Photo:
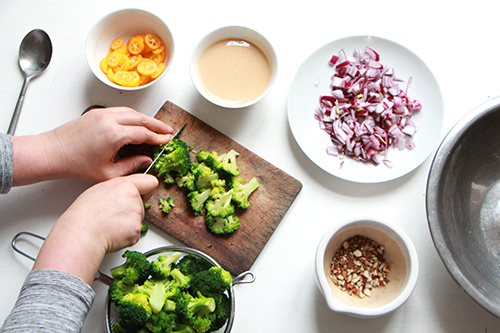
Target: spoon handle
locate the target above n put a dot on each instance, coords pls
(19, 105)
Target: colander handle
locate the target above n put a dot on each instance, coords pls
(99, 276)
(240, 279)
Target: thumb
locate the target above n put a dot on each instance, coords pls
(145, 184)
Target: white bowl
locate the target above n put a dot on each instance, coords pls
(125, 23)
(236, 32)
(400, 255)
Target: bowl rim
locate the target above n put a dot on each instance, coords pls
(439, 161)
(412, 267)
(115, 13)
(240, 30)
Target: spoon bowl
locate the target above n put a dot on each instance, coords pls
(35, 53)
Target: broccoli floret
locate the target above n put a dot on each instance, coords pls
(162, 322)
(156, 293)
(204, 175)
(241, 191)
(168, 179)
(135, 270)
(222, 311)
(227, 163)
(213, 281)
(190, 265)
(220, 203)
(222, 225)
(197, 312)
(197, 199)
(202, 155)
(175, 161)
(118, 289)
(166, 205)
(162, 266)
(135, 310)
(144, 229)
(187, 181)
(181, 280)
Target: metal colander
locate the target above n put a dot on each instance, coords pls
(112, 311)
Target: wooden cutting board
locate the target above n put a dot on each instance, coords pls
(268, 204)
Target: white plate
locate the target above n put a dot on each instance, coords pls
(313, 80)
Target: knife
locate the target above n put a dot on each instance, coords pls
(164, 148)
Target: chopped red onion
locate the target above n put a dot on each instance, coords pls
(367, 113)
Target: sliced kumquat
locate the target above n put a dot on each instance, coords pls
(135, 45)
(159, 70)
(145, 79)
(103, 65)
(126, 78)
(134, 60)
(135, 63)
(160, 49)
(152, 41)
(124, 65)
(114, 58)
(111, 75)
(123, 49)
(158, 58)
(116, 44)
(146, 66)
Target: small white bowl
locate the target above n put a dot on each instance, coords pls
(236, 32)
(400, 255)
(125, 23)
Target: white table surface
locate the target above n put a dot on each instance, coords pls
(459, 44)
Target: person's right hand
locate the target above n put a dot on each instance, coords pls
(105, 218)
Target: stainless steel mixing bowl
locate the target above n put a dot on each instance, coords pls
(463, 204)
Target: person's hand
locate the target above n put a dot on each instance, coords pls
(105, 218)
(85, 148)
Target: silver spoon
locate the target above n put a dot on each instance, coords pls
(34, 57)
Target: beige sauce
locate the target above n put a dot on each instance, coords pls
(394, 258)
(234, 71)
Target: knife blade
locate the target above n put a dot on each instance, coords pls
(164, 148)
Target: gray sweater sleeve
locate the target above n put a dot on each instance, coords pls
(6, 163)
(50, 301)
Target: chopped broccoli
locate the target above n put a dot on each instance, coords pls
(181, 280)
(166, 205)
(227, 163)
(168, 179)
(242, 191)
(162, 322)
(197, 199)
(118, 289)
(187, 181)
(222, 225)
(215, 280)
(190, 265)
(135, 270)
(222, 311)
(144, 229)
(162, 266)
(135, 310)
(197, 312)
(204, 175)
(220, 203)
(175, 161)
(168, 302)
(156, 293)
(202, 155)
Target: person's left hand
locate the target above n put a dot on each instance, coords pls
(85, 148)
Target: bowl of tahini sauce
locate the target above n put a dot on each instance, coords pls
(233, 67)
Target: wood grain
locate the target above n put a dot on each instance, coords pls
(268, 204)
